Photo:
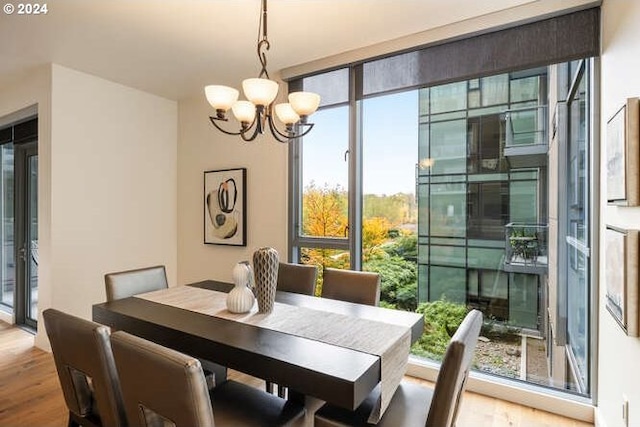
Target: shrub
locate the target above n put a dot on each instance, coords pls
(404, 246)
(399, 281)
(441, 320)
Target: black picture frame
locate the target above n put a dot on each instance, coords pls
(225, 207)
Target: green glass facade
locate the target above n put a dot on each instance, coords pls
(470, 189)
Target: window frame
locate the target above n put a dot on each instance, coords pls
(353, 240)
(587, 69)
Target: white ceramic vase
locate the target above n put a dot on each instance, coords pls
(240, 298)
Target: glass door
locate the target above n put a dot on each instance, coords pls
(7, 213)
(26, 168)
(19, 217)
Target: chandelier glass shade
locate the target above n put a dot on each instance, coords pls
(256, 114)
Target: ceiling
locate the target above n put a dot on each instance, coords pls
(173, 48)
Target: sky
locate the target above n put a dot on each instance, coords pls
(390, 140)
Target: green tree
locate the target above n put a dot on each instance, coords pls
(404, 246)
(399, 209)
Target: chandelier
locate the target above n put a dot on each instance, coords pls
(257, 113)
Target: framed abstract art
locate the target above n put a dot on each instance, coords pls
(225, 201)
(623, 155)
(621, 277)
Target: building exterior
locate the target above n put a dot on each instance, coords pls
(483, 195)
(505, 206)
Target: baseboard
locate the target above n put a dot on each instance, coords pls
(535, 397)
(42, 341)
(7, 317)
(599, 421)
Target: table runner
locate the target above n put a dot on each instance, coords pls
(390, 342)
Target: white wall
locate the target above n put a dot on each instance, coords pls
(113, 186)
(107, 176)
(618, 354)
(201, 147)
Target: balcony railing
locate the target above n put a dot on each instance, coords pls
(526, 248)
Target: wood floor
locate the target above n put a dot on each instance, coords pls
(30, 394)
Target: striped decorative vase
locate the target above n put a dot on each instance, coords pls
(265, 267)
(240, 298)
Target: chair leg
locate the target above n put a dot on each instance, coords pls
(282, 392)
(220, 373)
(268, 386)
(214, 374)
(272, 388)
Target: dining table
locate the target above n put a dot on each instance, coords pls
(307, 363)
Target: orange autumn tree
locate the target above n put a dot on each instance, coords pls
(375, 232)
(324, 213)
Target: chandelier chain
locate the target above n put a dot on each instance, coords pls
(263, 41)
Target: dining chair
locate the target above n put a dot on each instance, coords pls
(179, 397)
(124, 284)
(86, 370)
(297, 278)
(361, 287)
(413, 405)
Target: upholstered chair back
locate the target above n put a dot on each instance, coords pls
(297, 278)
(160, 386)
(454, 371)
(123, 284)
(353, 286)
(86, 369)
(413, 405)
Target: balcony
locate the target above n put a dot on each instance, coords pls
(526, 248)
(526, 136)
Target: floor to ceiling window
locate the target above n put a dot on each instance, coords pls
(389, 204)
(578, 239)
(444, 189)
(321, 218)
(325, 180)
(454, 184)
